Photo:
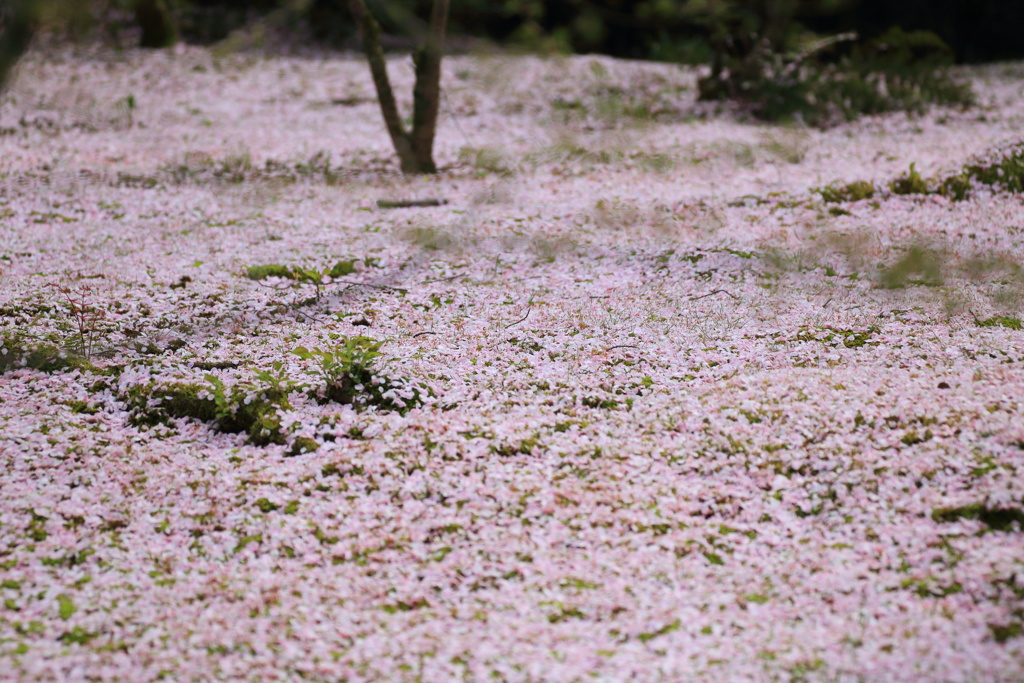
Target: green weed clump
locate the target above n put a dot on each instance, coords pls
(315, 277)
(16, 351)
(912, 183)
(312, 276)
(851, 192)
(234, 410)
(996, 518)
(351, 376)
(1002, 171)
(1006, 321)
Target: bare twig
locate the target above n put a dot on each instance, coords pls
(529, 307)
(712, 293)
(420, 334)
(622, 346)
(281, 286)
(307, 316)
(445, 279)
(370, 284)
(409, 203)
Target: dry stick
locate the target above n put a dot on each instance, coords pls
(529, 307)
(712, 293)
(370, 284)
(420, 334)
(622, 346)
(291, 283)
(408, 203)
(313, 318)
(445, 279)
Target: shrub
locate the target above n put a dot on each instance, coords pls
(826, 83)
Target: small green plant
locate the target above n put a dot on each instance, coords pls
(1002, 170)
(251, 408)
(87, 321)
(851, 192)
(317, 277)
(1005, 171)
(912, 183)
(351, 376)
(276, 381)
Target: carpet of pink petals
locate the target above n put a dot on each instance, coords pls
(649, 453)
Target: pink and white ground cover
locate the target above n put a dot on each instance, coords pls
(677, 431)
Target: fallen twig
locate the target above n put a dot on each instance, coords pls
(445, 279)
(409, 203)
(712, 293)
(529, 307)
(420, 334)
(370, 284)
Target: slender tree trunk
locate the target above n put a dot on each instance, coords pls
(158, 23)
(415, 148)
(19, 27)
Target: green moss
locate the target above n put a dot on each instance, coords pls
(265, 506)
(302, 445)
(852, 339)
(956, 187)
(16, 352)
(1002, 321)
(851, 192)
(912, 183)
(306, 275)
(1005, 173)
(1001, 633)
(269, 270)
(76, 636)
(997, 519)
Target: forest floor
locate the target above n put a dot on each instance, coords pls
(636, 403)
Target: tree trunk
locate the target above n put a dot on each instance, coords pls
(415, 148)
(19, 27)
(158, 24)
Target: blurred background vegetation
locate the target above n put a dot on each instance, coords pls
(820, 61)
(670, 30)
